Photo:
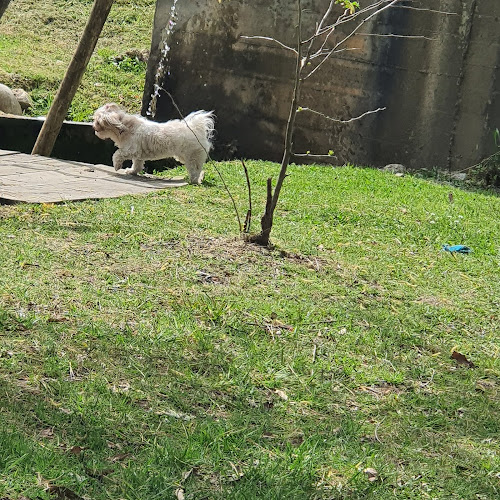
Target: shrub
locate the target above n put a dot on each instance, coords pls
(487, 172)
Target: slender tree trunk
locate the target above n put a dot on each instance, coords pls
(3, 5)
(266, 222)
(67, 90)
(305, 53)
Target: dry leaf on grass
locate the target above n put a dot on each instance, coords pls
(268, 405)
(380, 390)
(47, 433)
(175, 414)
(42, 482)
(275, 326)
(76, 450)
(237, 474)
(281, 394)
(462, 360)
(119, 458)
(205, 277)
(63, 493)
(485, 385)
(58, 492)
(372, 474)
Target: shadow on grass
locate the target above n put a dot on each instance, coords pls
(174, 418)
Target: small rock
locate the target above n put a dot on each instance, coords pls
(8, 101)
(458, 176)
(23, 98)
(395, 168)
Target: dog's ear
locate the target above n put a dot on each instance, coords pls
(111, 106)
(112, 121)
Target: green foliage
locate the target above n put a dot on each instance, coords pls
(487, 172)
(350, 6)
(38, 39)
(128, 64)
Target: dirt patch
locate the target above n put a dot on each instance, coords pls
(236, 249)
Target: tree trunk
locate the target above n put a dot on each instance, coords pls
(67, 90)
(266, 222)
(3, 5)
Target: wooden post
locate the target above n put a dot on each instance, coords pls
(67, 90)
(3, 5)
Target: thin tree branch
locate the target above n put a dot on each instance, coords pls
(394, 35)
(337, 120)
(248, 218)
(426, 10)
(309, 155)
(293, 112)
(270, 39)
(338, 51)
(337, 45)
(478, 164)
(208, 156)
(320, 27)
(327, 158)
(345, 17)
(269, 197)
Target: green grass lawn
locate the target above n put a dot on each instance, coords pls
(38, 39)
(146, 352)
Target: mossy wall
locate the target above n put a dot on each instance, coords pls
(440, 89)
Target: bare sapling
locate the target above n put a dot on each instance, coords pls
(311, 52)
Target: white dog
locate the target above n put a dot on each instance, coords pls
(188, 140)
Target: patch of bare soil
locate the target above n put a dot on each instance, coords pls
(237, 249)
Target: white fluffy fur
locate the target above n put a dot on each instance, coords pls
(139, 139)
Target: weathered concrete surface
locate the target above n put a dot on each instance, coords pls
(37, 179)
(441, 92)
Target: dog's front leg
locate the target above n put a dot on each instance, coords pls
(118, 159)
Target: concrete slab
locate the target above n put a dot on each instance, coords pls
(37, 179)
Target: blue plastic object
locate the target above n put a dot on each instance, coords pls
(457, 248)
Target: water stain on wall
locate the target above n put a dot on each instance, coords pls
(440, 86)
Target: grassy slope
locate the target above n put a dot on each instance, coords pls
(145, 348)
(141, 342)
(38, 39)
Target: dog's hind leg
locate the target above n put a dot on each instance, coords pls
(195, 173)
(194, 167)
(136, 168)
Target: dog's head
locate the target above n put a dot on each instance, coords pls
(109, 122)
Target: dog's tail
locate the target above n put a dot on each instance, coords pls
(202, 123)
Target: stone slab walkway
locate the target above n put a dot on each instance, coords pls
(37, 179)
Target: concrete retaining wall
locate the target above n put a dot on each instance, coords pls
(441, 92)
(76, 141)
